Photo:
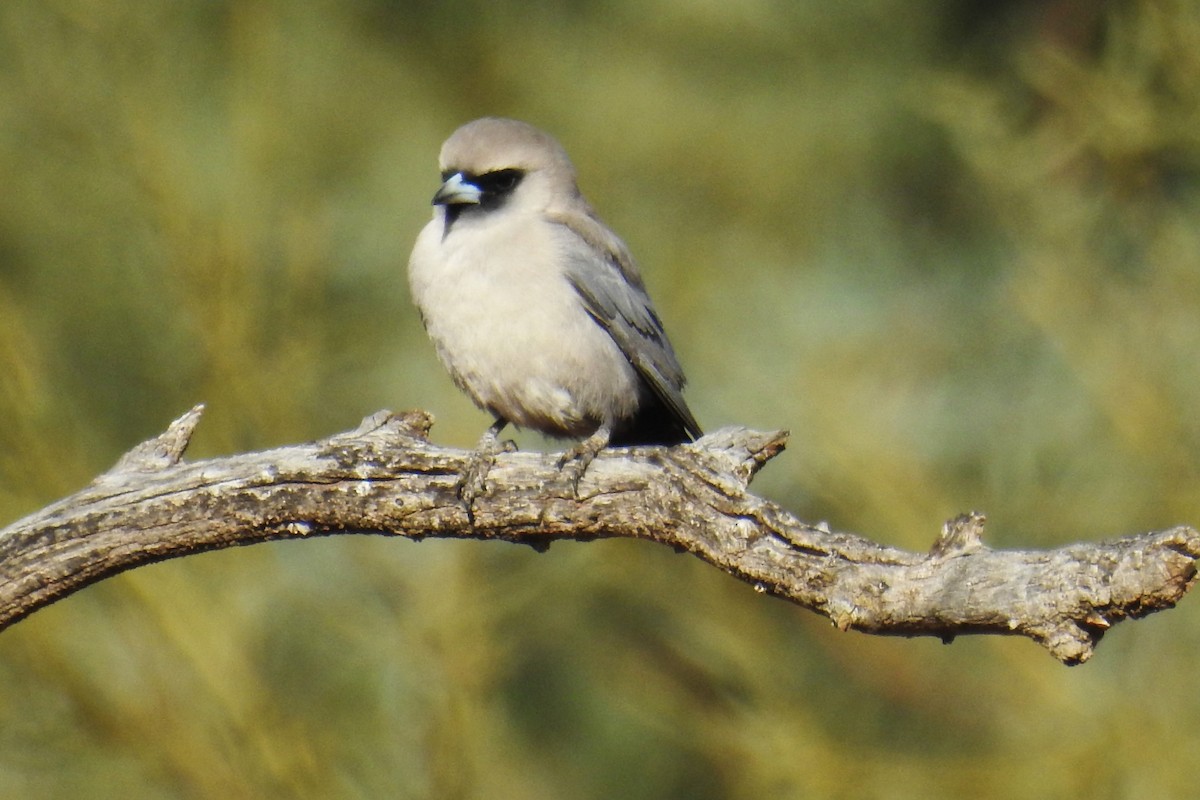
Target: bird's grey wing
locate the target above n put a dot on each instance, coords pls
(602, 271)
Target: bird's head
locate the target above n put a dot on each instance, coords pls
(494, 163)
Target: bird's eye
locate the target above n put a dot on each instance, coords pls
(500, 182)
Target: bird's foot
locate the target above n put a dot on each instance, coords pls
(574, 463)
(473, 478)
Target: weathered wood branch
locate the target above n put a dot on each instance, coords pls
(386, 478)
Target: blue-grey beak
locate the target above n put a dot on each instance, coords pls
(457, 191)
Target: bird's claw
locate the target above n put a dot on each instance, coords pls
(574, 462)
(473, 479)
(572, 466)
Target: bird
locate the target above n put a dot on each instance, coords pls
(536, 307)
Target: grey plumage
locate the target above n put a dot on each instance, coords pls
(535, 307)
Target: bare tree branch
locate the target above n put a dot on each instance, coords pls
(386, 478)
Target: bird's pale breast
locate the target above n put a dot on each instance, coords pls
(511, 329)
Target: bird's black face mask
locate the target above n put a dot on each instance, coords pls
(463, 192)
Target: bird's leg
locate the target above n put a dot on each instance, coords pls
(575, 461)
(479, 463)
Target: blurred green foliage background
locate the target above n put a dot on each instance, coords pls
(953, 246)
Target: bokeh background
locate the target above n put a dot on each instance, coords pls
(953, 246)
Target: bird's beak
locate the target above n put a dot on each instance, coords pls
(456, 191)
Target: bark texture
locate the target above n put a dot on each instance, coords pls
(387, 478)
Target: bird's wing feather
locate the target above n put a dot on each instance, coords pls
(604, 274)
